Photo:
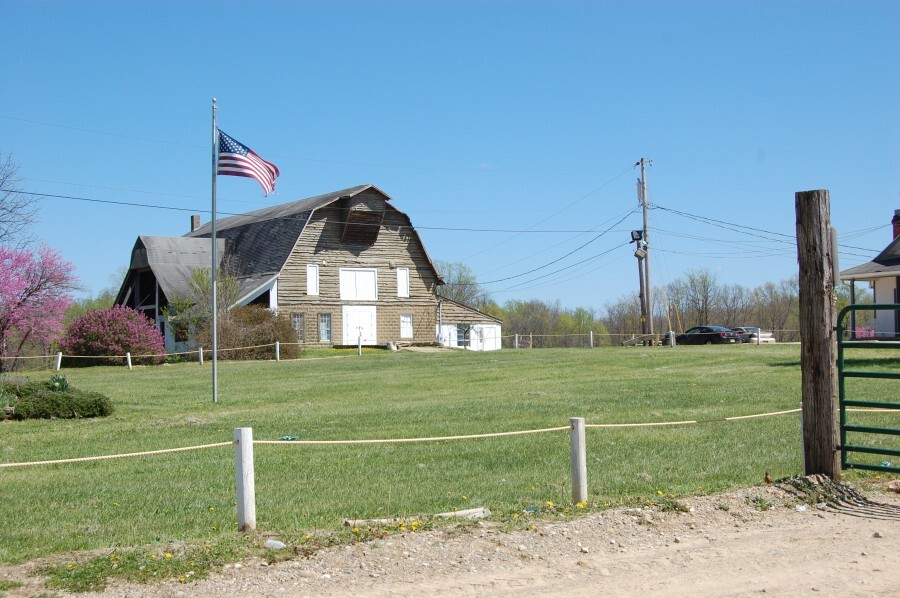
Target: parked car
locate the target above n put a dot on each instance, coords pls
(708, 335)
(752, 334)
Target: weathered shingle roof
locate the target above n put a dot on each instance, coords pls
(260, 242)
(173, 260)
(886, 263)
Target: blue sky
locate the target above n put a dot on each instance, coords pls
(479, 118)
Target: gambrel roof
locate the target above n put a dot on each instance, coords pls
(259, 243)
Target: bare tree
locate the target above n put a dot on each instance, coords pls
(460, 285)
(17, 210)
(735, 305)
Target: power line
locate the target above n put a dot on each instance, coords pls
(207, 211)
(740, 228)
(561, 210)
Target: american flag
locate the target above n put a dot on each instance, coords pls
(236, 159)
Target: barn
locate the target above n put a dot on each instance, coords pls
(347, 266)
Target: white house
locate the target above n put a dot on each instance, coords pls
(883, 276)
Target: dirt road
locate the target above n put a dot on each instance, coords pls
(751, 542)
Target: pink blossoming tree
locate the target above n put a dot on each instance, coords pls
(114, 332)
(35, 291)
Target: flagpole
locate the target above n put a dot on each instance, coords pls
(215, 168)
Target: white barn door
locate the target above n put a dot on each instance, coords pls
(360, 320)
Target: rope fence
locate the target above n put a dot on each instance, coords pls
(394, 440)
(244, 461)
(513, 341)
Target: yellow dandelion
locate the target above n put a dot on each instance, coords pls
(549, 503)
(515, 516)
(153, 556)
(70, 567)
(659, 492)
(168, 555)
(581, 505)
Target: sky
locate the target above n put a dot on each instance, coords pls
(507, 131)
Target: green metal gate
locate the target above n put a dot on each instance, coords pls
(890, 403)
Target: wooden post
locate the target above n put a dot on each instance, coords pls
(58, 360)
(818, 318)
(277, 351)
(200, 353)
(578, 459)
(128, 359)
(591, 339)
(516, 341)
(246, 486)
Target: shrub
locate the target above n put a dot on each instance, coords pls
(251, 326)
(43, 400)
(114, 332)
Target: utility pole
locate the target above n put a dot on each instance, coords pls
(643, 199)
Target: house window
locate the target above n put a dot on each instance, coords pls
(359, 284)
(406, 326)
(299, 324)
(403, 282)
(325, 327)
(462, 335)
(312, 279)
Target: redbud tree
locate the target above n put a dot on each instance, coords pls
(114, 332)
(35, 291)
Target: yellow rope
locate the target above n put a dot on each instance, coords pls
(399, 440)
(105, 457)
(407, 440)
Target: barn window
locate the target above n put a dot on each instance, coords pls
(406, 326)
(359, 284)
(325, 327)
(299, 324)
(312, 279)
(403, 282)
(462, 335)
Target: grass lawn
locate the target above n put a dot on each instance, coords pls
(190, 496)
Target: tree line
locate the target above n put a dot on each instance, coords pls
(697, 298)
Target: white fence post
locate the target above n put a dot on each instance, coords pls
(58, 360)
(128, 359)
(578, 457)
(200, 353)
(277, 351)
(516, 341)
(591, 339)
(246, 486)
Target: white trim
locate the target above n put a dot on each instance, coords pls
(354, 287)
(312, 279)
(403, 282)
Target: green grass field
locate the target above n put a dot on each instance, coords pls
(190, 496)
